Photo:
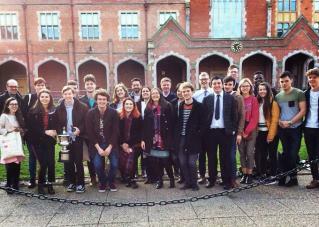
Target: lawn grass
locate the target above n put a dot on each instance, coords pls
(59, 166)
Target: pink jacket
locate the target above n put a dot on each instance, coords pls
(251, 114)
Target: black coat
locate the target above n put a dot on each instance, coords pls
(194, 128)
(78, 116)
(167, 127)
(135, 132)
(110, 125)
(229, 112)
(36, 130)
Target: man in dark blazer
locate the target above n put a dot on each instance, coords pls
(70, 117)
(220, 109)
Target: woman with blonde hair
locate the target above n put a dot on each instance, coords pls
(119, 94)
(246, 144)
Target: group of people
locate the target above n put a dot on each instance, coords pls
(171, 132)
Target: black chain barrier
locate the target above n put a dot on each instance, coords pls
(163, 202)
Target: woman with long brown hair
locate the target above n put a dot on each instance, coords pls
(41, 123)
(158, 135)
(266, 145)
(130, 140)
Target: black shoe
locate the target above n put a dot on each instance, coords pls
(41, 189)
(202, 180)
(159, 185)
(210, 184)
(172, 183)
(50, 189)
(281, 181)
(249, 179)
(243, 179)
(32, 184)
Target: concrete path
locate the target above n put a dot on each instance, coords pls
(262, 206)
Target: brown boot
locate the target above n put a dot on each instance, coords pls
(313, 184)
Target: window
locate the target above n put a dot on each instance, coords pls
(129, 25)
(287, 5)
(282, 28)
(164, 16)
(8, 26)
(316, 27)
(49, 25)
(316, 5)
(90, 28)
(227, 18)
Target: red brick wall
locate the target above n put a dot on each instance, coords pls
(200, 19)
(306, 9)
(256, 19)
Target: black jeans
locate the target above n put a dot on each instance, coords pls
(312, 144)
(219, 139)
(291, 140)
(188, 164)
(76, 162)
(13, 175)
(266, 154)
(45, 155)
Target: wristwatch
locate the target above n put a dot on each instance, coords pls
(290, 123)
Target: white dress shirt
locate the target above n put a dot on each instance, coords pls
(220, 122)
(199, 95)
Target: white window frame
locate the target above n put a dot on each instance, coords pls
(166, 11)
(18, 27)
(314, 28)
(138, 24)
(99, 24)
(39, 26)
(315, 2)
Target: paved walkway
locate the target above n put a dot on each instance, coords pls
(262, 206)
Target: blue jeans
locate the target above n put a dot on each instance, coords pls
(99, 164)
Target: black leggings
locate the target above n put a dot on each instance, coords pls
(13, 175)
(45, 154)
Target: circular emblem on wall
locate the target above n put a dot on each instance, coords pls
(236, 46)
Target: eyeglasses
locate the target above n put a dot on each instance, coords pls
(13, 104)
(12, 86)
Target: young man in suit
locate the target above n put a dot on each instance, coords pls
(221, 120)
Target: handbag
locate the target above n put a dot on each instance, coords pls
(11, 145)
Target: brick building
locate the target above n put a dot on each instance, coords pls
(120, 39)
